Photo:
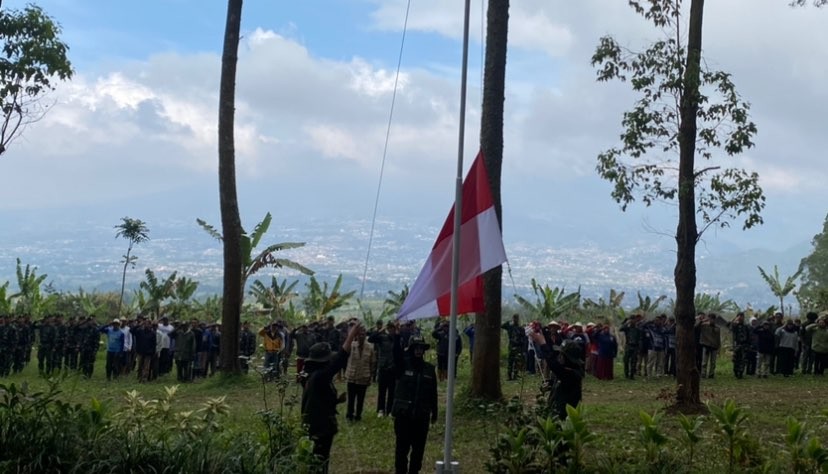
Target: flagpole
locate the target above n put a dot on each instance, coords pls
(447, 465)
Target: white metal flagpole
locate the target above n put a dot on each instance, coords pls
(448, 466)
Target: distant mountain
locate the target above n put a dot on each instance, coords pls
(85, 253)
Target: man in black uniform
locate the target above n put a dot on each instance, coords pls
(319, 396)
(566, 363)
(415, 403)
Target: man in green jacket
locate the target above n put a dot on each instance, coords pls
(185, 350)
(819, 343)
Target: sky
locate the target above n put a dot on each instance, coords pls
(134, 132)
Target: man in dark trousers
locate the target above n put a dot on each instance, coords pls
(319, 397)
(565, 362)
(518, 345)
(415, 403)
(383, 341)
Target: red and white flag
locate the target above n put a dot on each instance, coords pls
(481, 249)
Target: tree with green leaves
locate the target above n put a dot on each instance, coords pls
(779, 288)
(319, 301)
(135, 231)
(813, 288)
(685, 110)
(33, 59)
(550, 303)
(250, 263)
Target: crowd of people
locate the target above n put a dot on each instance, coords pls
(390, 355)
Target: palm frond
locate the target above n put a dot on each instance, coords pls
(260, 230)
(210, 230)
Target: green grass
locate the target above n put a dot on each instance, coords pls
(368, 446)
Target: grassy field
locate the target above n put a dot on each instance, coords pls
(368, 446)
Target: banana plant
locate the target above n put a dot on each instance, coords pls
(274, 297)
(394, 301)
(253, 263)
(92, 304)
(5, 301)
(158, 290)
(29, 299)
(550, 303)
(182, 293)
(609, 308)
(779, 289)
(648, 305)
(209, 309)
(319, 302)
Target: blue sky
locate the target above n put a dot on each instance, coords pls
(134, 132)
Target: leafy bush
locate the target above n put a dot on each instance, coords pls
(40, 433)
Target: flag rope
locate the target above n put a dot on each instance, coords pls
(384, 153)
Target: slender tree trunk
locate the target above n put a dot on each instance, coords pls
(486, 368)
(687, 374)
(123, 277)
(230, 220)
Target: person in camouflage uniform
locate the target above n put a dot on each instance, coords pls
(72, 345)
(45, 342)
(631, 327)
(19, 356)
(58, 346)
(8, 343)
(89, 340)
(518, 345)
(741, 344)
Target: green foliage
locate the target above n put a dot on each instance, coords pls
(690, 434)
(648, 306)
(41, 433)
(5, 300)
(608, 309)
(645, 164)
(651, 436)
(253, 263)
(577, 437)
(707, 303)
(813, 288)
(550, 303)
(33, 58)
(731, 420)
(157, 291)
(780, 289)
(274, 297)
(29, 299)
(395, 300)
(319, 302)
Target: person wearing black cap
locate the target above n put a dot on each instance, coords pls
(319, 397)
(566, 363)
(415, 403)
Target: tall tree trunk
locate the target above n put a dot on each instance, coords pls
(687, 374)
(486, 368)
(123, 277)
(230, 220)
